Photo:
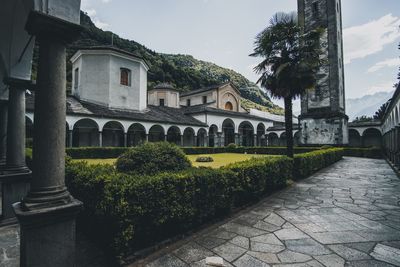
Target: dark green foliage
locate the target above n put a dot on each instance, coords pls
(204, 159)
(151, 158)
(380, 113)
(373, 153)
(95, 152)
(363, 119)
(308, 163)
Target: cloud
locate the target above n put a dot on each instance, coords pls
(381, 87)
(91, 12)
(370, 38)
(391, 62)
(100, 24)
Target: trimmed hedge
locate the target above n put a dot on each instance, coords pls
(115, 152)
(308, 163)
(127, 212)
(373, 152)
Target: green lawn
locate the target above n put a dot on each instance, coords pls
(219, 159)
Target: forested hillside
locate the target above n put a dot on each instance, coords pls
(183, 71)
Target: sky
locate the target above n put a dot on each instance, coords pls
(223, 32)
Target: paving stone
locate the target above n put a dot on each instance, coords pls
(331, 260)
(275, 219)
(265, 257)
(349, 254)
(266, 226)
(288, 256)
(210, 241)
(267, 239)
(338, 237)
(229, 251)
(221, 233)
(368, 263)
(242, 230)
(241, 241)
(203, 263)
(291, 233)
(192, 252)
(167, 261)
(249, 261)
(394, 244)
(307, 246)
(387, 254)
(364, 247)
(268, 248)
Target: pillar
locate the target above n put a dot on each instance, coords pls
(206, 141)
(255, 140)
(100, 139)
(181, 139)
(125, 139)
(147, 138)
(70, 137)
(165, 138)
(15, 158)
(47, 214)
(237, 139)
(3, 132)
(221, 140)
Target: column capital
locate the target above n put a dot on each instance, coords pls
(49, 27)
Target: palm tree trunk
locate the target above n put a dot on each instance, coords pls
(289, 126)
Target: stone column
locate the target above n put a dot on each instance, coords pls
(182, 140)
(206, 141)
(70, 138)
(237, 139)
(255, 140)
(15, 161)
(47, 214)
(125, 139)
(147, 138)
(3, 132)
(100, 139)
(165, 137)
(221, 138)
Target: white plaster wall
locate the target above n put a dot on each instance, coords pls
(170, 98)
(197, 99)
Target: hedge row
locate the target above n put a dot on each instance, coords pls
(308, 163)
(127, 212)
(374, 153)
(114, 152)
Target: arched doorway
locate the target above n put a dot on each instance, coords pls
(113, 134)
(85, 133)
(273, 139)
(212, 135)
(136, 135)
(283, 140)
(156, 134)
(354, 138)
(246, 134)
(202, 138)
(188, 137)
(228, 106)
(228, 132)
(261, 141)
(372, 138)
(174, 135)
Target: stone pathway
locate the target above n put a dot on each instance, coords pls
(345, 215)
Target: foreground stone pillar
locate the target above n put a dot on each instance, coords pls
(47, 214)
(3, 132)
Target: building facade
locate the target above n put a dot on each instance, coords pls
(323, 119)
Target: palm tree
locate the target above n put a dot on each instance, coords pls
(290, 62)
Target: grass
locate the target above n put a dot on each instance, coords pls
(219, 159)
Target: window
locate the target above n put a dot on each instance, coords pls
(205, 99)
(228, 106)
(188, 102)
(162, 102)
(76, 75)
(125, 77)
(315, 10)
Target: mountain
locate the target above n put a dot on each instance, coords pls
(366, 105)
(183, 71)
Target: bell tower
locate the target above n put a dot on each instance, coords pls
(323, 119)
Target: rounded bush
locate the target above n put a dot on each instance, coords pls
(152, 158)
(204, 159)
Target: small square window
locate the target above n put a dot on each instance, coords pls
(205, 99)
(162, 102)
(125, 77)
(188, 102)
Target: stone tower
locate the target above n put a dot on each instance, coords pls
(323, 120)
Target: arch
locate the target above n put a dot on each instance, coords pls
(283, 139)
(232, 100)
(246, 134)
(354, 138)
(228, 132)
(188, 137)
(86, 133)
(228, 106)
(296, 138)
(113, 134)
(261, 141)
(136, 135)
(156, 133)
(273, 139)
(212, 135)
(174, 135)
(202, 137)
(372, 138)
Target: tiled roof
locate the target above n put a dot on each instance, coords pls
(151, 114)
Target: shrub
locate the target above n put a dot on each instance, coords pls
(374, 152)
(204, 159)
(151, 158)
(95, 152)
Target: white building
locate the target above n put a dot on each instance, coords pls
(111, 105)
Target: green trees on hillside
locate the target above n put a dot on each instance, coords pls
(290, 60)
